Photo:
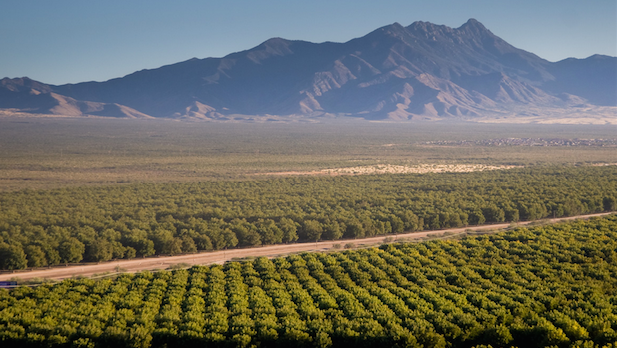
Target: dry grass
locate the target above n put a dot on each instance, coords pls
(41, 153)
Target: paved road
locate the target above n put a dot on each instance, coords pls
(221, 256)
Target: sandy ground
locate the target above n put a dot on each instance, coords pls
(394, 169)
(219, 257)
(588, 114)
(604, 164)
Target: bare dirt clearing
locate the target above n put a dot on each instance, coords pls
(222, 256)
(398, 169)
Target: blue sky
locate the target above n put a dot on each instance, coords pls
(67, 41)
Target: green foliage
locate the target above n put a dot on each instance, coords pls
(12, 257)
(312, 230)
(71, 250)
(550, 286)
(35, 255)
(103, 223)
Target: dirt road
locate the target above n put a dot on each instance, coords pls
(221, 256)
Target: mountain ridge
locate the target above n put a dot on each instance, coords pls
(422, 71)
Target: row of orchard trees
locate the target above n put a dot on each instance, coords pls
(550, 286)
(39, 228)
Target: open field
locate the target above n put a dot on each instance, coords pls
(46, 153)
(222, 256)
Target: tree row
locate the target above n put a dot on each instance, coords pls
(41, 228)
(546, 286)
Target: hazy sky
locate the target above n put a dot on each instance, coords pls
(62, 41)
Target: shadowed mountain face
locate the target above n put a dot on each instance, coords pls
(395, 72)
(594, 79)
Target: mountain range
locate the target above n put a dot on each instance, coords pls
(422, 71)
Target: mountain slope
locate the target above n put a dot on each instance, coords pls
(26, 95)
(593, 78)
(423, 70)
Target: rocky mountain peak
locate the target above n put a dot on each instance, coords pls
(394, 30)
(420, 27)
(473, 23)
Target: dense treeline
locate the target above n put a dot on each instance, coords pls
(40, 228)
(547, 286)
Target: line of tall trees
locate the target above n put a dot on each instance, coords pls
(70, 225)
